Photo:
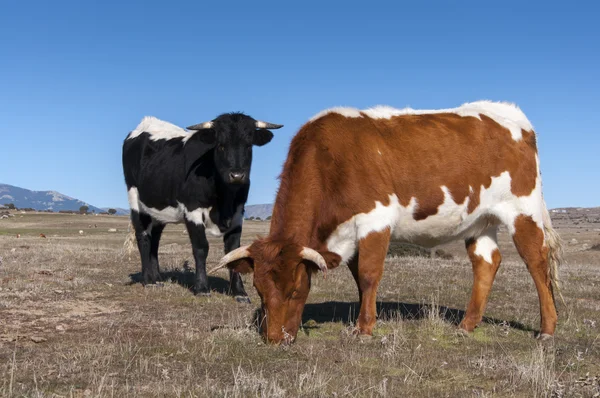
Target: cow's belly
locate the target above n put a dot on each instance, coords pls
(451, 222)
(167, 215)
(178, 214)
(201, 216)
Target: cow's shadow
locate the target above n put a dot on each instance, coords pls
(185, 278)
(347, 313)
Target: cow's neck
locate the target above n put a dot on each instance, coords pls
(297, 205)
(229, 197)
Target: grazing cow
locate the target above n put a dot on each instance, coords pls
(355, 179)
(200, 178)
(42, 236)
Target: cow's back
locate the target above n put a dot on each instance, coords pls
(430, 177)
(414, 156)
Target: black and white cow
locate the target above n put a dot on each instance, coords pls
(200, 178)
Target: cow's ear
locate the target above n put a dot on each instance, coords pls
(208, 136)
(197, 145)
(243, 265)
(332, 259)
(261, 137)
(325, 258)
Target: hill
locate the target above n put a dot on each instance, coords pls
(263, 211)
(41, 200)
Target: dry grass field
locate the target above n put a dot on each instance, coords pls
(74, 321)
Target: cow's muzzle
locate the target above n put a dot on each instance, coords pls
(237, 177)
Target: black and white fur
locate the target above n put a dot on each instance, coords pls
(200, 178)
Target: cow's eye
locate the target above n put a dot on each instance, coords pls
(294, 294)
(221, 148)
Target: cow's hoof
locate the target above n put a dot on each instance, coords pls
(242, 299)
(202, 291)
(364, 338)
(544, 337)
(462, 332)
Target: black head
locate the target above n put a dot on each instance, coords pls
(232, 136)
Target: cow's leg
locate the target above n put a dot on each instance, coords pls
(371, 255)
(200, 250)
(353, 266)
(485, 257)
(529, 241)
(142, 223)
(231, 241)
(155, 235)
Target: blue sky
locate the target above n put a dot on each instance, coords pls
(76, 76)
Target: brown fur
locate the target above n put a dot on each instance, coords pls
(529, 241)
(419, 154)
(338, 167)
(371, 257)
(483, 278)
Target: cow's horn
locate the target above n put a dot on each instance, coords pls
(240, 252)
(266, 125)
(314, 256)
(201, 126)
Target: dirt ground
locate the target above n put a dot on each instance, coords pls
(75, 321)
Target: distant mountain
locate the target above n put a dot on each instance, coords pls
(41, 200)
(262, 211)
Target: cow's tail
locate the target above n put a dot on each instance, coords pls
(130, 241)
(555, 251)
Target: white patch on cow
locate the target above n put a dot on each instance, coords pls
(158, 129)
(133, 197)
(168, 215)
(497, 204)
(347, 112)
(506, 114)
(176, 215)
(533, 204)
(201, 216)
(210, 227)
(486, 244)
(198, 215)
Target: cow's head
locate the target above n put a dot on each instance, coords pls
(282, 275)
(232, 136)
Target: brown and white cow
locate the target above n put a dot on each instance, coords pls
(355, 179)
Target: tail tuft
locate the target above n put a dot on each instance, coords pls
(130, 242)
(555, 252)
